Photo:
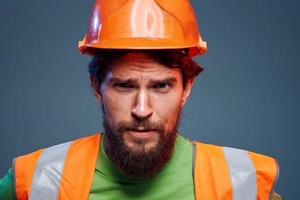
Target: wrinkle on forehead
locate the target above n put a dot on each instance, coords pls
(137, 71)
(140, 66)
(139, 62)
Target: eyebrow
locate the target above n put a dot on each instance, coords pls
(116, 79)
(168, 80)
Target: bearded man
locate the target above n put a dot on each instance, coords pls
(142, 73)
(141, 95)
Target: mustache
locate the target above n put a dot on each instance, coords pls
(145, 125)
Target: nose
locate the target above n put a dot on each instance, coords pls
(141, 109)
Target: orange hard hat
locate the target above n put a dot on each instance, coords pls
(142, 24)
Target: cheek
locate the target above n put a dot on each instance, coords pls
(117, 106)
(167, 107)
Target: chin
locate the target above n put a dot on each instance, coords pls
(140, 146)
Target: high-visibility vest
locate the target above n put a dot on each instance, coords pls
(65, 172)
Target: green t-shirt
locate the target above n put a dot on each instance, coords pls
(6, 186)
(175, 181)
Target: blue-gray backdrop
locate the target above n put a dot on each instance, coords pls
(248, 97)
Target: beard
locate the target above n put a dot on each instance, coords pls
(139, 162)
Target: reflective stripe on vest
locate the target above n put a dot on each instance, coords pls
(63, 172)
(242, 174)
(66, 171)
(226, 173)
(48, 172)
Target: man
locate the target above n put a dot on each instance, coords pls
(142, 74)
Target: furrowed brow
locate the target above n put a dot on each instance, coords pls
(164, 80)
(116, 80)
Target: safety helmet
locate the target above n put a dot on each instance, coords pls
(142, 24)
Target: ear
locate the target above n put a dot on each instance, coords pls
(96, 88)
(187, 91)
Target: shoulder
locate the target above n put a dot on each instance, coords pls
(63, 146)
(239, 158)
(56, 153)
(242, 168)
(6, 186)
(229, 152)
(49, 164)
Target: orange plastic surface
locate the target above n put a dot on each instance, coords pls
(142, 24)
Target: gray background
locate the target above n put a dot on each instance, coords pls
(248, 96)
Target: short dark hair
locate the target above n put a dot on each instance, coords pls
(99, 65)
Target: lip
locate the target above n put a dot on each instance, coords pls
(142, 134)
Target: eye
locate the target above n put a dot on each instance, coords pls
(161, 86)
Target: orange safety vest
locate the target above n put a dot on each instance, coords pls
(65, 172)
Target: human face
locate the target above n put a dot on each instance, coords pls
(137, 88)
(141, 100)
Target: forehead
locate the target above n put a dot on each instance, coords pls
(141, 63)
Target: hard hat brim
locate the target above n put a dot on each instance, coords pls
(141, 44)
